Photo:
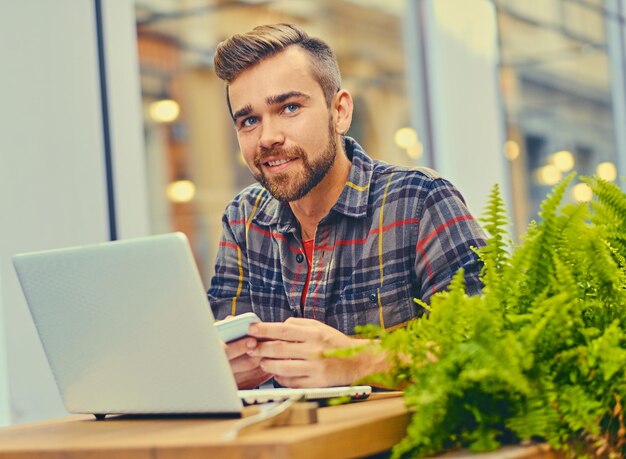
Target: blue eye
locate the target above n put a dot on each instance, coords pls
(250, 121)
(290, 108)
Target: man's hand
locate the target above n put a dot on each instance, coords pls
(248, 374)
(292, 352)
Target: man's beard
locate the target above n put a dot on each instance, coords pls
(288, 187)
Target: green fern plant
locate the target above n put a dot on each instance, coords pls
(540, 354)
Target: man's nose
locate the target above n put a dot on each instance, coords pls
(271, 134)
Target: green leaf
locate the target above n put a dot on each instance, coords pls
(540, 354)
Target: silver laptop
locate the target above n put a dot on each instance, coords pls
(127, 329)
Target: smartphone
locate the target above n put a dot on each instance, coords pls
(235, 327)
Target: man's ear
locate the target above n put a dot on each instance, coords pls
(342, 111)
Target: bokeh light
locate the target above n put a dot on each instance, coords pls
(181, 191)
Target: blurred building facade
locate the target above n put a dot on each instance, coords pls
(126, 132)
(559, 88)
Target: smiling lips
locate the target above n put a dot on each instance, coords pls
(277, 165)
(277, 162)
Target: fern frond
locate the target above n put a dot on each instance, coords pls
(609, 211)
(611, 198)
(566, 278)
(495, 254)
(543, 249)
(495, 222)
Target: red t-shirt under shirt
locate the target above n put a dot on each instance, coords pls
(308, 251)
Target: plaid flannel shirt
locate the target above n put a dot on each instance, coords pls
(394, 234)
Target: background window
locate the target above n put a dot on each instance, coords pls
(557, 88)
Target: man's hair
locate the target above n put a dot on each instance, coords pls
(242, 51)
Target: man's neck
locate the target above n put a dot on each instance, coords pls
(313, 207)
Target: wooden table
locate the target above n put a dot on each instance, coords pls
(353, 430)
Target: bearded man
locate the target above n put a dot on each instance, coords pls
(328, 238)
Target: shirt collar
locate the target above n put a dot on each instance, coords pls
(352, 202)
(355, 195)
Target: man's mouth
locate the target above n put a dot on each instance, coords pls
(277, 162)
(276, 165)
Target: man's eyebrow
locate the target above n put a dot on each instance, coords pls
(271, 100)
(245, 111)
(280, 98)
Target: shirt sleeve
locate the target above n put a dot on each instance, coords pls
(447, 232)
(229, 291)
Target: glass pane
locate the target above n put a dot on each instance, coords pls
(556, 83)
(194, 165)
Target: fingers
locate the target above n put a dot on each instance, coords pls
(245, 363)
(240, 347)
(251, 379)
(284, 368)
(246, 369)
(285, 350)
(292, 373)
(293, 329)
(297, 373)
(292, 352)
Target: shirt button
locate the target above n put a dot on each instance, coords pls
(299, 258)
(374, 298)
